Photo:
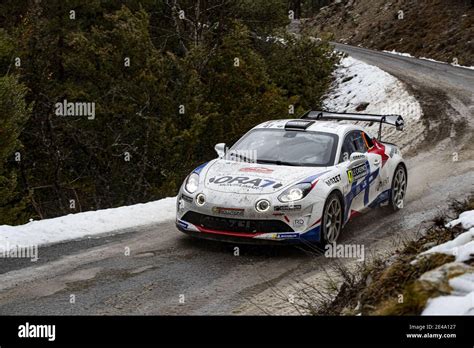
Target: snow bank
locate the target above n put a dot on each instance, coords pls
(399, 53)
(451, 305)
(461, 247)
(428, 59)
(461, 299)
(460, 302)
(453, 64)
(91, 223)
(360, 87)
(466, 219)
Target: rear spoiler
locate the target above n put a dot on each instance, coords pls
(393, 120)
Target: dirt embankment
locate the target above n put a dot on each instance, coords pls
(438, 29)
(403, 282)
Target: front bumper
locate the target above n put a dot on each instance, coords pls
(218, 237)
(233, 217)
(244, 231)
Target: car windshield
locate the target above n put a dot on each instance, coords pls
(285, 147)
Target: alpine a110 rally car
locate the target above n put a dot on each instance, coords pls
(296, 180)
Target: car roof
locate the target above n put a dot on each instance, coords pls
(340, 128)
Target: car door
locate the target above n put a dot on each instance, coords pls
(375, 162)
(362, 177)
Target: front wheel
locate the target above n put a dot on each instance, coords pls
(399, 186)
(332, 219)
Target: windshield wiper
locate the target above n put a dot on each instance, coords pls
(277, 162)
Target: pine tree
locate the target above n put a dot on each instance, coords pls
(301, 66)
(13, 114)
(166, 88)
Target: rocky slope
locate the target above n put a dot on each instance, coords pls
(436, 29)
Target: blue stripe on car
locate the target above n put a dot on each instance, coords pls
(313, 177)
(201, 167)
(383, 197)
(313, 235)
(367, 182)
(182, 223)
(358, 187)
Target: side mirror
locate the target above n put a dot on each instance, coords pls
(220, 149)
(357, 157)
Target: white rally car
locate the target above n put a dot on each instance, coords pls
(293, 180)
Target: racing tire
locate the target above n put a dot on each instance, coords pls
(399, 188)
(331, 223)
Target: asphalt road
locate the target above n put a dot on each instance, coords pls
(421, 71)
(158, 270)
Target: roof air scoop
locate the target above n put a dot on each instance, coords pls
(298, 124)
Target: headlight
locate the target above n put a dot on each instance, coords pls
(192, 183)
(295, 193)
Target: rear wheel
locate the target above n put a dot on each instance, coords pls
(332, 219)
(399, 186)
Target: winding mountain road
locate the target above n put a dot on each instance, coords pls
(158, 270)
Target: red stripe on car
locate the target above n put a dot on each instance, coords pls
(228, 233)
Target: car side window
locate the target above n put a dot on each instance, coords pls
(347, 147)
(368, 140)
(353, 142)
(359, 142)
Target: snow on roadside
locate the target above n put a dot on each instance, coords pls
(453, 64)
(360, 87)
(399, 53)
(428, 59)
(461, 299)
(451, 305)
(91, 223)
(466, 219)
(462, 247)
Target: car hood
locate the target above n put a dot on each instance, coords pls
(253, 178)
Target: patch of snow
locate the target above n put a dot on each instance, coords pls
(461, 247)
(432, 60)
(466, 219)
(399, 53)
(463, 284)
(91, 223)
(459, 302)
(358, 84)
(439, 274)
(453, 64)
(461, 299)
(461, 66)
(450, 305)
(274, 39)
(428, 59)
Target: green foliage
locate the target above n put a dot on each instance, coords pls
(239, 84)
(301, 66)
(6, 51)
(263, 17)
(190, 83)
(13, 114)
